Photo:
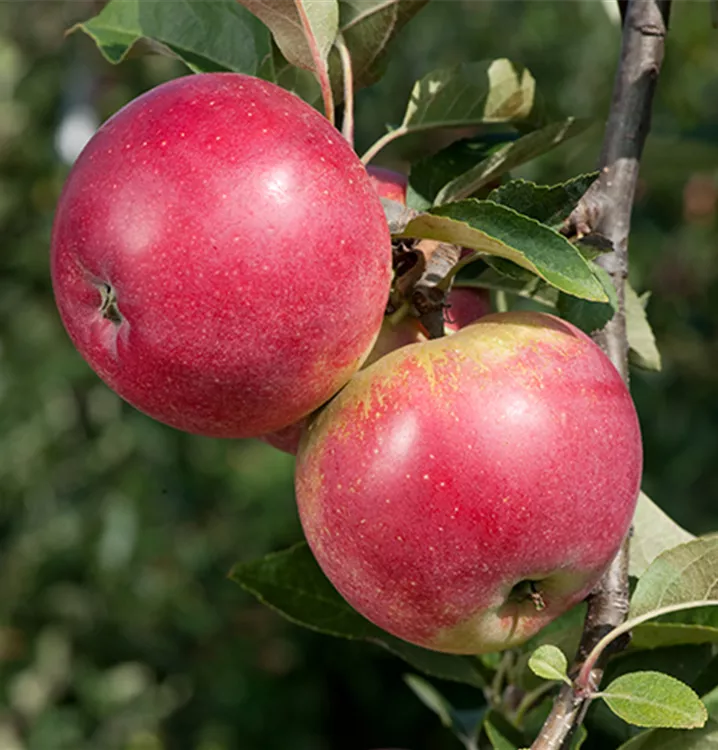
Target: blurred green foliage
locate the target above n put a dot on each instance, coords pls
(118, 627)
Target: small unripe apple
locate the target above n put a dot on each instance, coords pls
(465, 305)
(388, 183)
(462, 493)
(220, 256)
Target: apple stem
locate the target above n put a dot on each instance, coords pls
(348, 79)
(606, 208)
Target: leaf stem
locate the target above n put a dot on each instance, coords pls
(378, 145)
(583, 679)
(320, 64)
(348, 82)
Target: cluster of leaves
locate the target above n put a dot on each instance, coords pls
(514, 229)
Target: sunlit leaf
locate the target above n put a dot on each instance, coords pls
(641, 341)
(655, 699)
(481, 92)
(488, 228)
(654, 532)
(686, 573)
(237, 42)
(304, 30)
(549, 663)
(468, 94)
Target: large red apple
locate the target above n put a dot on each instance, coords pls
(220, 256)
(462, 493)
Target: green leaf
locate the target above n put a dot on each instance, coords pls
(303, 83)
(292, 583)
(500, 732)
(237, 41)
(586, 315)
(675, 739)
(654, 532)
(304, 30)
(431, 698)
(549, 204)
(451, 667)
(429, 175)
(654, 699)
(368, 26)
(464, 724)
(660, 633)
(510, 156)
(684, 663)
(641, 341)
(489, 228)
(564, 633)
(550, 663)
(686, 573)
(496, 738)
(468, 94)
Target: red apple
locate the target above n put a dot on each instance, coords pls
(220, 256)
(388, 183)
(391, 337)
(465, 305)
(462, 493)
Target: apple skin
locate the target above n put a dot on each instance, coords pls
(451, 473)
(388, 183)
(391, 337)
(465, 305)
(246, 248)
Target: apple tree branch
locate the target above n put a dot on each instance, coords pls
(606, 209)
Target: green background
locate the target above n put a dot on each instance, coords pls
(118, 626)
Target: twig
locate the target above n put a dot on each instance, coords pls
(606, 208)
(348, 83)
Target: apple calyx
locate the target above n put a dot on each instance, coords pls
(108, 305)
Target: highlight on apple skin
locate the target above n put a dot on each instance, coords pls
(220, 256)
(465, 305)
(462, 493)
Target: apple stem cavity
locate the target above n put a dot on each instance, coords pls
(108, 305)
(528, 591)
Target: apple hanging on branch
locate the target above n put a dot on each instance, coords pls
(462, 493)
(220, 256)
